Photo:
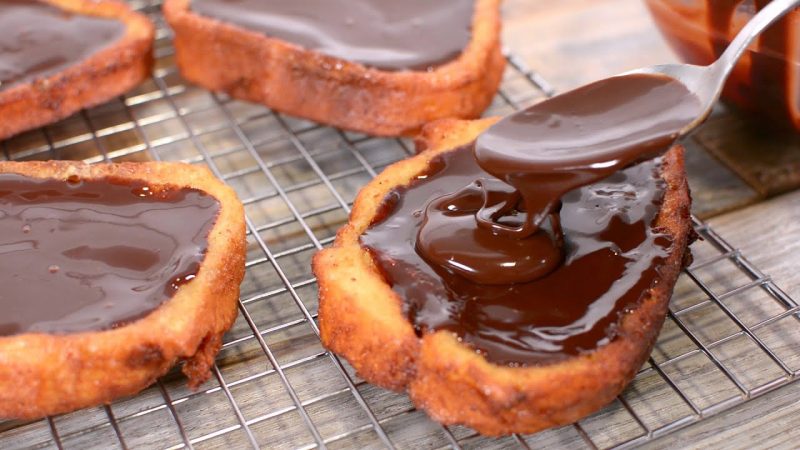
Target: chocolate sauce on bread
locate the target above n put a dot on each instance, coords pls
(468, 245)
(39, 39)
(96, 254)
(390, 35)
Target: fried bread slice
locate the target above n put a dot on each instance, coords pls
(43, 374)
(109, 72)
(285, 77)
(362, 319)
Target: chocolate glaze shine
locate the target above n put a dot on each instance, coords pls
(477, 255)
(583, 136)
(449, 237)
(391, 35)
(611, 256)
(536, 156)
(94, 255)
(39, 39)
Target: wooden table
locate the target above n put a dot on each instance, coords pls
(571, 42)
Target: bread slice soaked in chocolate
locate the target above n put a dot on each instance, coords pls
(58, 56)
(112, 274)
(382, 68)
(460, 374)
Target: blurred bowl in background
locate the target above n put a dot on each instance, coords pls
(766, 81)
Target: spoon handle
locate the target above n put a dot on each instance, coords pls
(761, 21)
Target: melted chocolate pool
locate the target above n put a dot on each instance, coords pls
(391, 35)
(94, 255)
(611, 255)
(38, 39)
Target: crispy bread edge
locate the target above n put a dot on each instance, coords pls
(42, 374)
(251, 66)
(97, 79)
(361, 319)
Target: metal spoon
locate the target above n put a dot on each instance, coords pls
(706, 82)
(584, 135)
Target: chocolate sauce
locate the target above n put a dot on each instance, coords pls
(538, 155)
(468, 246)
(391, 35)
(611, 255)
(39, 39)
(94, 255)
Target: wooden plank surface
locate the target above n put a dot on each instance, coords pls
(572, 42)
(768, 233)
(767, 159)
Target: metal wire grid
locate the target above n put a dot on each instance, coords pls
(730, 334)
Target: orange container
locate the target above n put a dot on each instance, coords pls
(767, 79)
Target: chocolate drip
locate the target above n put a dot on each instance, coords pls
(450, 237)
(94, 255)
(391, 35)
(538, 155)
(38, 39)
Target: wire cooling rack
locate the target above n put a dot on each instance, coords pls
(731, 333)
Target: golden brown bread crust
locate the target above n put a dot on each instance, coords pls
(97, 79)
(251, 66)
(43, 374)
(361, 319)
